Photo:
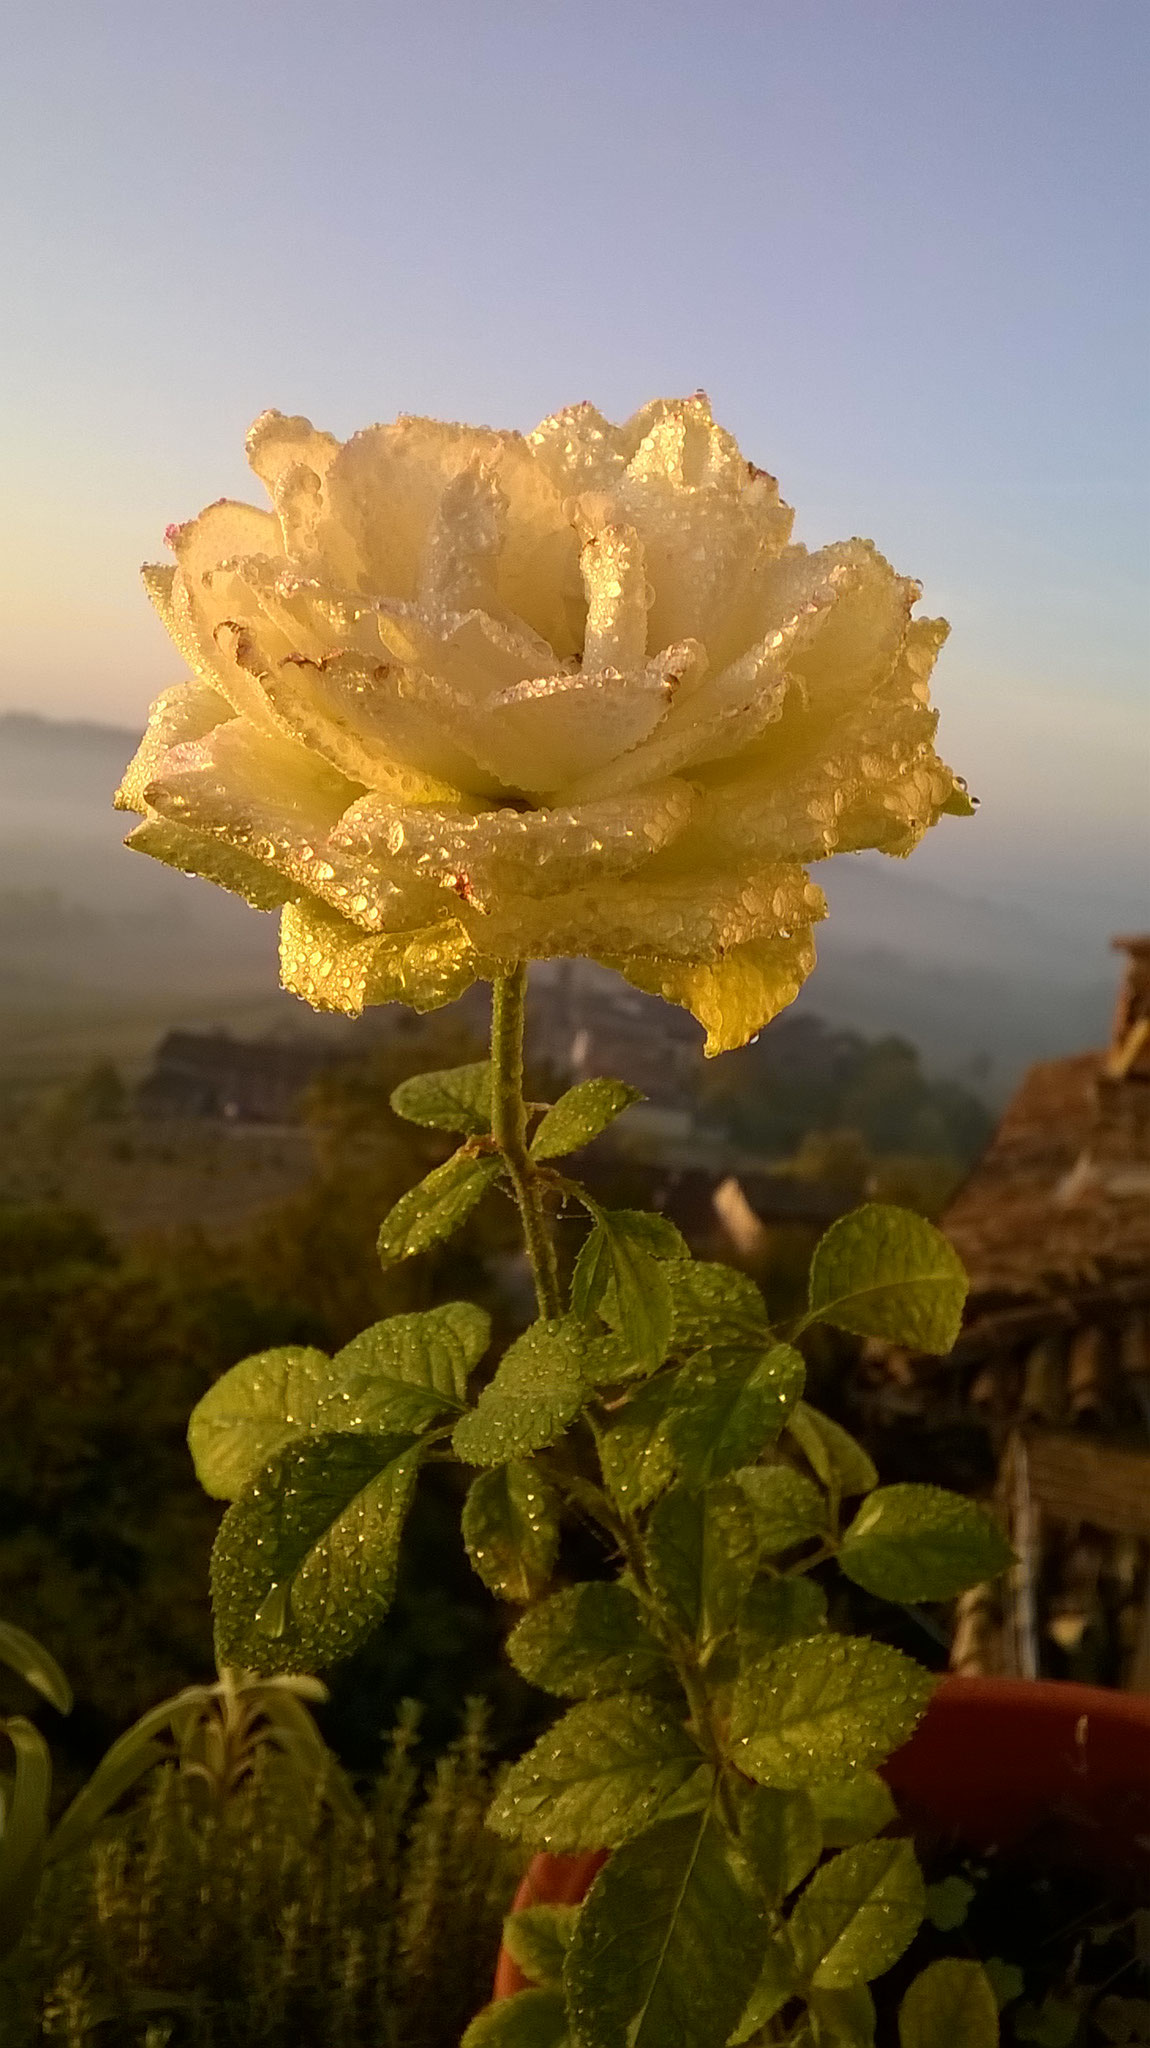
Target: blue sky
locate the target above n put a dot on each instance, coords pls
(901, 245)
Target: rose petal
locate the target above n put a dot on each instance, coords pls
(272, 800)
(383, 493)
(480, 858)
(334, 967)
(545, 735)
(194, 853)
(650, 912)
(615, 580)
(734, 997)
(822, 783)
(710, 523)
(188, 711)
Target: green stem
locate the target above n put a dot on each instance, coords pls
(509, 1129)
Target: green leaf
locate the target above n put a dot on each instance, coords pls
(1005, 1979)
(511, 1530)
(636, 1457)
(776, 1983)
(649, 1232)
(949, 2002)
(857, 1914)
(948, 1902)
(620, 1258)
(304, 1563)
(253, 1412)
(885, 1272)
(599, 1775)
(581, 1115)
(922, 1543)
(401, 1374)
(1053, 2024)
(1124, 2020)
(587, 1639)
(832, 1453)
(844, 2019)
(778, 1611)
(701, 1555)
(668, 1946)
(25, 1827)
(788, 1507)
(437, 1349)
(713, 1304)
(538, 1938)
(729, 1406)
(23, 1654)
(812, 1712)
(437, 1207)
(537, 1389)
(853, 1809)
(781, 1838)
(451, 1099)
(531, 2019)
(608, 1362)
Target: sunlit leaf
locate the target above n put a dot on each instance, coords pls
(598, 1776)
(511, 1529)
(912, 1542)
(812, 1712)
(857, 1914)
(885, 1272)
(437, 1207)
(449, 1099)
(580, 1115)
(304, 1562)
(537, 1389)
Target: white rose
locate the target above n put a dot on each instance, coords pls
(464, 697)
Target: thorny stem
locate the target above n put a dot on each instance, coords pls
(509, 1129)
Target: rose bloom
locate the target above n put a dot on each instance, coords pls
(463, 698)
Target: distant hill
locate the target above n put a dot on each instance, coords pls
(981, 988)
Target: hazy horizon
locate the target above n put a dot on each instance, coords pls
(895, 245)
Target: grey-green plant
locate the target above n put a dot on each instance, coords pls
(25, 1790)
(225, 1885)
(718, 1735)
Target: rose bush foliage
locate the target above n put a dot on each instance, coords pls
(466, 697)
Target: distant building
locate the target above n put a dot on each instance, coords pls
(1053, 1226)
(583, 1021)
(242, 1080)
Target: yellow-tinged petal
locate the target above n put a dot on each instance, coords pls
(838, 776)
(261, 794)
(188, 711)
(325, 707)
(710, 523)
(483, 858)
(334, 967)
(459, 565)
(195, 853)
(683, 914)
(580, 450)
(546, 735)
(279, 442)
(734, 997)
(615, 579)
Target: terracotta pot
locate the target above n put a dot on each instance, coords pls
(991, 1760)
